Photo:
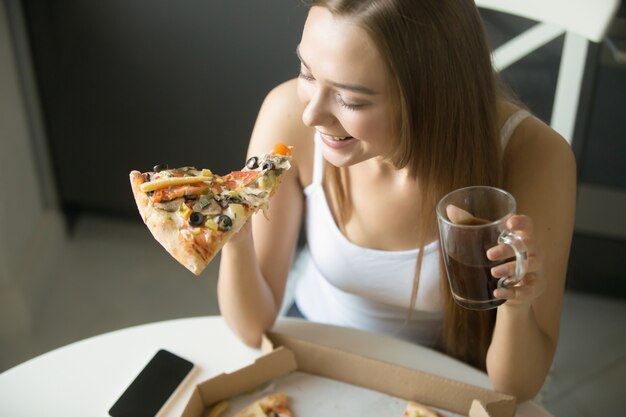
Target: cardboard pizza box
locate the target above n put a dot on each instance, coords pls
(347, 376)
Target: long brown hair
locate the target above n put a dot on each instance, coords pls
(446, 92)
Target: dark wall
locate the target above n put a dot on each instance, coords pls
(127, 84)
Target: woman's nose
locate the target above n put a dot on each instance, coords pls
(316, 111)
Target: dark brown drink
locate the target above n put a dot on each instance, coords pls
(472, 285)
(469, 269)
(474, 221)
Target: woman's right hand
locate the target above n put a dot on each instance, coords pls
(243, 235)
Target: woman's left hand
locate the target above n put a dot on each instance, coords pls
(533, 283)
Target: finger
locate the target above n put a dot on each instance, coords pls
(534, 265)
(504, 251)
(514, 293)
(500, 252)
(528, 288)
(504, 293)
(459, 216)
(503, 270)
(521, 223)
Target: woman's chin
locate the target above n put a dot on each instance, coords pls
(339, 159)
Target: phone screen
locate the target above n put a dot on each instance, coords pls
(147, 394)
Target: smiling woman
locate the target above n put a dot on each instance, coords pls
(396, 105)
(345, 89)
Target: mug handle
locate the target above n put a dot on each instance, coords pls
(521, 258)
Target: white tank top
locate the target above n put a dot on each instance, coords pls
(341, 283)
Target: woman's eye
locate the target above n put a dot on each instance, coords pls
(305, 76)
(349, 106)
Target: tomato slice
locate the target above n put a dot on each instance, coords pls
(238, 179)
(168, 194)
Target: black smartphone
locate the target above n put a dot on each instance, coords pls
(154, 385)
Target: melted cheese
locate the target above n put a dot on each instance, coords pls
(168, 182)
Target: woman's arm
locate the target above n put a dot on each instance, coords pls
(254, 265)
(540, 171)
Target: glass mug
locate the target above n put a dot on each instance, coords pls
(464, 244)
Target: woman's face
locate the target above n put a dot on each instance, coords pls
(343, 85)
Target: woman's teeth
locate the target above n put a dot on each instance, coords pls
(338, 138)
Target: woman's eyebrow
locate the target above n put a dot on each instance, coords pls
(351, 87)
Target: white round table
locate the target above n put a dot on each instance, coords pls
(85, 378)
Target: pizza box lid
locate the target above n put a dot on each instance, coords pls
(285, 354)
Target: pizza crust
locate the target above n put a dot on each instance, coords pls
(165, 228)
(270, 405)
(414, 409)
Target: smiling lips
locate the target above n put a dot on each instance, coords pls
(334, 138)
(335, 141)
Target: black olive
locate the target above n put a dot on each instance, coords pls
(160, 167)
(268, 165)
(196, 219)
(224, 222)
(223, 203)
(252, 163)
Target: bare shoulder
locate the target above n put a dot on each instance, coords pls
(536, 147)
(280, 121)
(532, 135)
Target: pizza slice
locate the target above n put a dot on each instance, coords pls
(192, 213)
(272, 405)
(414, 409)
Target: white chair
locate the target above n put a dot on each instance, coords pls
(580, 20)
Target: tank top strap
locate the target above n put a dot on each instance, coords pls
(318, 161)
(510, 125)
